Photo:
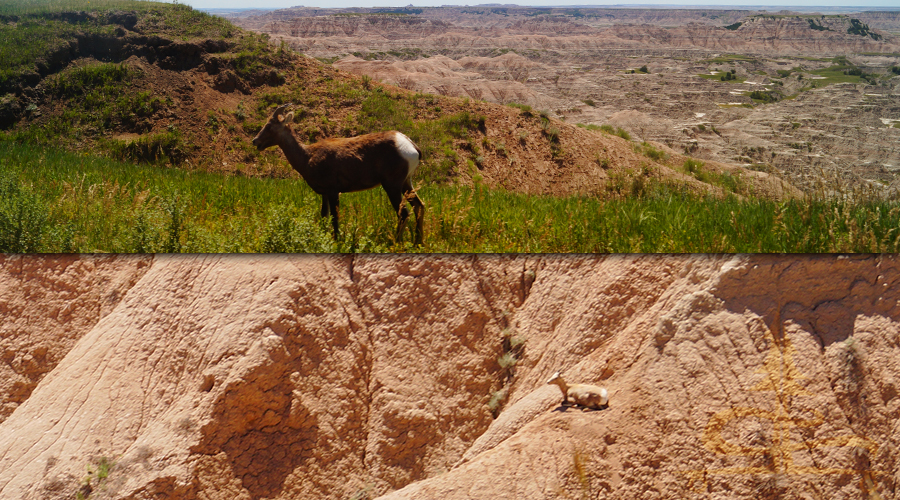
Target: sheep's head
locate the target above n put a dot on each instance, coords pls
(554, 378)
(276, 127)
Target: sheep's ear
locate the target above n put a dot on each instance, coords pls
(289, 118)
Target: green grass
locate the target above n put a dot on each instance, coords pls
(650, 151)
(62, 202)
(38, 7)
(40, 36)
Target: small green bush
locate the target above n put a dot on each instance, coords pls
(23, 217)
(651, 152)
(288, 231)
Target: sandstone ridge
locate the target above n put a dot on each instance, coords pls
(251, 377)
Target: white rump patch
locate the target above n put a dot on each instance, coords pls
(407, 150)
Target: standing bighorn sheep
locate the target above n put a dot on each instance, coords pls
(335, 166)
(589, 396)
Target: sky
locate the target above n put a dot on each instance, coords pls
(766, 4)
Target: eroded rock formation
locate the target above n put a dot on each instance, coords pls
(256, 377)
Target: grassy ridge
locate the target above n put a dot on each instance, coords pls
(38, 7)
(55, 201)
(35, 34)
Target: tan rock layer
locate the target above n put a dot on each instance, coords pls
(330, 377)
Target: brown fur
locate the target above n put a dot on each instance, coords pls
(344, 165)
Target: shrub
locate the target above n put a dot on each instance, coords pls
(288, 231)
(524, 108)
(653, 153)
(162, 147)
(22, 217)
(765, 96)
(623, 133)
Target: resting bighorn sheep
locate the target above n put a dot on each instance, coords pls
(589, 396)
(335, 166)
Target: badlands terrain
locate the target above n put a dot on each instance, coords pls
(788, 106)
(361, 377)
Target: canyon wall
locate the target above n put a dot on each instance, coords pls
(251, 377)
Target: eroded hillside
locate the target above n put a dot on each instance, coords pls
(809, 96)
(172, 86)
(337, 377)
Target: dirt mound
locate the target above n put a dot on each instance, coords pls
(330, 377)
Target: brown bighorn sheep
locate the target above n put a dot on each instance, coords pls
(335, 166)
(589, 396)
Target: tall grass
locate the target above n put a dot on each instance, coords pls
(37, 7)
(53, 201)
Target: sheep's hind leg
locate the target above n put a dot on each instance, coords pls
(419, 211)
(402, 212)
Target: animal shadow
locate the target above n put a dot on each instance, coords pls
(565, 407)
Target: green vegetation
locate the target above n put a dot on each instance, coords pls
(728, 182)
(817, 25)
(734, 26)
(526, 109)
(99, 472)
(840, 72)
(619, 131)
(859, 28)
(67, 202)
(651, 152)
(39, 37)
(765, 96)
(784, 73)
(133, 201)
(728, 76)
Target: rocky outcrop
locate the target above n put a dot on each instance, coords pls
(765, 35)
(330, 377)
(47, 305)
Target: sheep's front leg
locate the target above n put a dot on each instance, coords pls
(333, 208)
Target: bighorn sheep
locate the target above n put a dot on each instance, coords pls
(335, 166)
(589, 396)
